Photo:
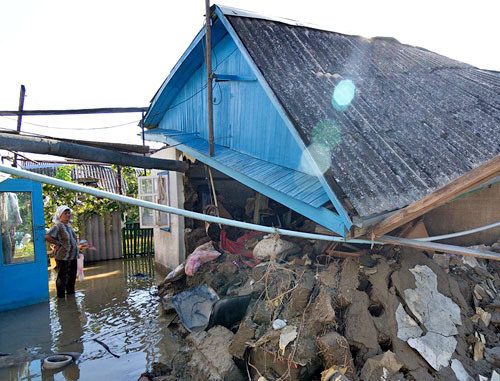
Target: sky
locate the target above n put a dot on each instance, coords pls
(117, 53)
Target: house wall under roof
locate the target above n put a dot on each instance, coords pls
(245, 120)
(169, 245)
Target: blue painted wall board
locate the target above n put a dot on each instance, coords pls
(22, 284)
(244, 118)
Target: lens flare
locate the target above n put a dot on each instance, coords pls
(328, 133)
(321, 154)
(343, 94)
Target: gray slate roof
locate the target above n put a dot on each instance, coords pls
(417, 121)
(103, 175)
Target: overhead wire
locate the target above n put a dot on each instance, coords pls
(74, 128)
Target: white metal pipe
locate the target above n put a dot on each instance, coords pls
(169, 209)
(459, 234)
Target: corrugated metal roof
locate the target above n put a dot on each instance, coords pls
(417, 120)
(104, 176)
(300, 186)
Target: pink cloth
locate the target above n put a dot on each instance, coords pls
(202, 254)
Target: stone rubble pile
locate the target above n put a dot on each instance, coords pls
(393, 314)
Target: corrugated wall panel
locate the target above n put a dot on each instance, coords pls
(105, 234)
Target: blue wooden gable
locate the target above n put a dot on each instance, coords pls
(255, 142)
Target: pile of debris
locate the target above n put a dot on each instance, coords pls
(387, 314)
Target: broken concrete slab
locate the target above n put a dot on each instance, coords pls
(478, 351)
(262, 314)
(329, 276)
(246, 333)
(334, 351)
(435, 311)
(274, 247)
(407, 327)
(322, 308)
(360, 330)
(287, 335)
(348, 282)
(443, 260)
(211, 359)
(484, 316)
(381, 367)
(460, 372)
(492, 355)
(435, 348)
(438, 314)
(300, 296)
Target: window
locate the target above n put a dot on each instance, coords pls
(16, 219)
(154, 189)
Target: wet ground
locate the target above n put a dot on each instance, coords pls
(114, 305)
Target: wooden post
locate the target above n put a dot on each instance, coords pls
(19, 118)
(119, 177)
(209, 80)
(256, 210)
(143, 137)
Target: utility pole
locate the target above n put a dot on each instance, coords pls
(143, 138)
(19, 118)
(209, 80)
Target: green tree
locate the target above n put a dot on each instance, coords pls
(85, 205)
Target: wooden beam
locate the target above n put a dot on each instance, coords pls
(344, 254)
(19, 118)
(457, 187)
(104, 110)
(433, 246)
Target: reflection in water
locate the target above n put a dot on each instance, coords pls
(115, 305)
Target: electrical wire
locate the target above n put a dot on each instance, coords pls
(74, 128)
(193, 95)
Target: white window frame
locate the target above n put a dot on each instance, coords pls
(160, 195)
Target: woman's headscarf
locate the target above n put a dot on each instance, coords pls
(60, 210)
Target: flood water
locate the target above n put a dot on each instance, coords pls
(115, 305)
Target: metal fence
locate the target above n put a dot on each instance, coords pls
(137, 241)
(104, 232)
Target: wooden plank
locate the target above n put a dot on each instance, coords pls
(432, 246)
(461, 185)
(343, 254)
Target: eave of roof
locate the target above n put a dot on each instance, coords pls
(299, 191)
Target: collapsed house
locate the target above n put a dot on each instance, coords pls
(343, 135)
(359, 135)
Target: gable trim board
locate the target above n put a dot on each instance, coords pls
(459, 186)
(321, 215)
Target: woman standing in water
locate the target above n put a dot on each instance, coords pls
(64, 238)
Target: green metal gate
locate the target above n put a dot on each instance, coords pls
(137, 241)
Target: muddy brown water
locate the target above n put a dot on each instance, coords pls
(115, 304)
